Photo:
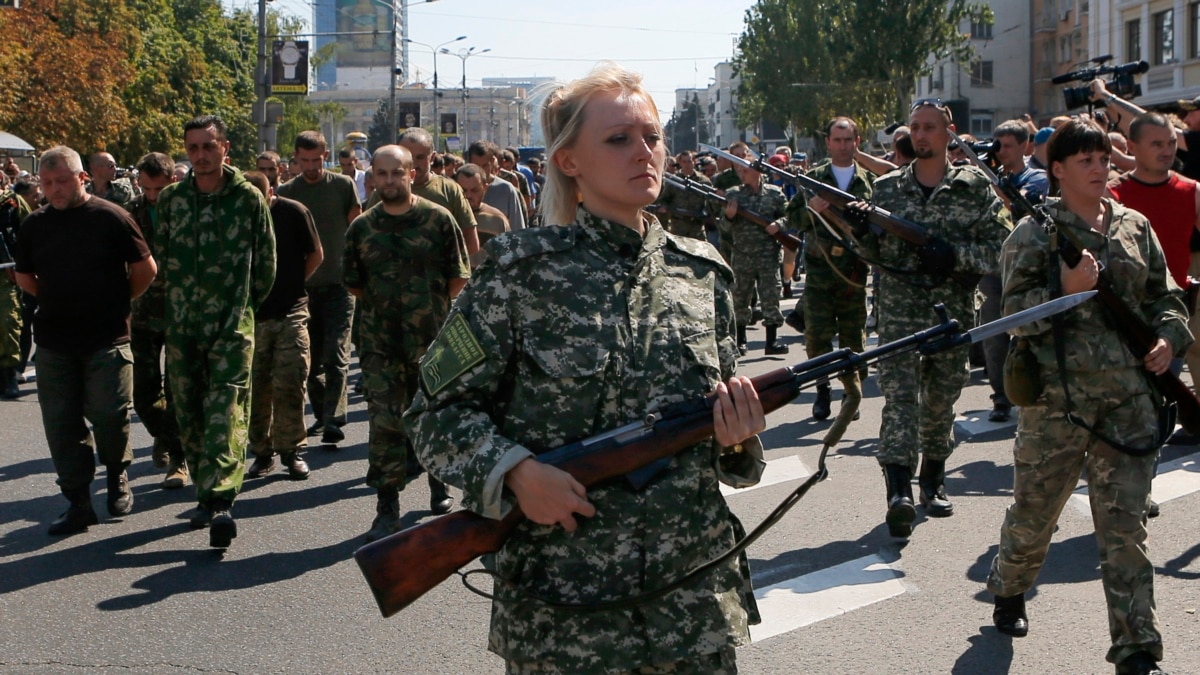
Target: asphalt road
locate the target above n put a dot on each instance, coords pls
(145, 594)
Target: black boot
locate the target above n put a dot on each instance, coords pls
(8, 384)
(741, 340)
(822, 406)
(901, 513)
(1139, 663)
(387, 514)
(223, 529)
(78, 516)
(773, 345)
(440, 500)
(1009, 615)
(933, 490)
(120, 499)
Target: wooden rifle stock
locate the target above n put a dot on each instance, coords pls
(789, 241)
(402, 567)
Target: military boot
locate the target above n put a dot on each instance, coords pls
(1140, 663)
(160, 454)
(933, 490)
(774, 346)
(177, 474)
(8, 384)
(78, 515)
(297, 468)
(901, 513)
(223, 530)
(387, 514)
(262, 465)
(741, 339)
(440, 500)
(120, 499)
(795, 319)
(1009, 615)
(821, 407)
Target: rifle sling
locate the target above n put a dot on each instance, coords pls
(1060, 355)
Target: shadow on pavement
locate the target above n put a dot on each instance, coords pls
(990, 652)
(799, 562)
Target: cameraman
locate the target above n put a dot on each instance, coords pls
(1122, 112)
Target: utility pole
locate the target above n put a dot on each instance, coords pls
(261, 77)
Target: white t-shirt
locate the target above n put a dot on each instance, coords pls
(843, 174)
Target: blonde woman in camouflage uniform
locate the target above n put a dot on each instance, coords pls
(570, 330)
(1108, 389)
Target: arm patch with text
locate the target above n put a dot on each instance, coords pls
(455, 351)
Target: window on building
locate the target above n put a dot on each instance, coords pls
(981, 124)
(937, 78)
(1164, 37)
(981, 30)
(1194, 30)
(1133, 40)
(981, 74)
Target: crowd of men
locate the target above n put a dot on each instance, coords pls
(254, 287)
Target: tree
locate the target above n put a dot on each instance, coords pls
(687, 128)
(805, 61)
(380, 132)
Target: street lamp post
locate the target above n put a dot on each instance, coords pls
(399, 25)
(437, 122)
(465, 54)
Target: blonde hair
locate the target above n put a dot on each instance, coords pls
(562, 118)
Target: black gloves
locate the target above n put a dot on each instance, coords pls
(936, 257)
(858, 219)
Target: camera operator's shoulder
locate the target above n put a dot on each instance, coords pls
(969, 176)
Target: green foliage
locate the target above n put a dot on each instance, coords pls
(806, 61)
(686, 127)
(380, 132)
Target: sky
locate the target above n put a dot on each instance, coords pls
(673, 43)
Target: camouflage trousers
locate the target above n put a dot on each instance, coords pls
(723, 662)
(75, 390)
(995, 349)
(757, 271)
(210, 379)
(10, 322)
(331, 310)
(1048, 456)
(281, 361)
(153, 402)
(391, 384)
(919, 392)
(833, 308)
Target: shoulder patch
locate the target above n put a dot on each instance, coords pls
(454, 352)
(699, 249)
(512, 247)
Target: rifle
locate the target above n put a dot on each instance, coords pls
(789, 241)
(402, 567)
(1139, 336)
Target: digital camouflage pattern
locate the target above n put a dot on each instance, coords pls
(1108, 388)
(675, 198)
(579, 329)
(404, 265)
(13, 210)
(920, 391)
(278, 375)
(757, 256)
(835, 291)
(219, 264)
(151, 397)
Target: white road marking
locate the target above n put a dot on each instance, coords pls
(975, 423)
(824, 594)
(1175, 479)
(778, 471)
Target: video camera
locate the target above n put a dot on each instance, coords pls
(1121, 83)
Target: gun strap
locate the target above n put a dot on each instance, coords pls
(816, 241)
(1060, 352)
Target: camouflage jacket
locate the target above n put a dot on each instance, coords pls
(218, 255)
(963, 210)
(404, 265)
(150, 309)
(820, 248)
(120, 192)
(1138, 271)
(770, 203)
(566, 332)
(675, 198)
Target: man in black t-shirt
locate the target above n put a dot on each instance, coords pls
(85, 259)
(281, 349)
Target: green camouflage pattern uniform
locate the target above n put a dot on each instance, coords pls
(835, 291)
(675, 198)
(10, 293)
(757, 256)
(920, 391)
(1109, 388)
(723, 181)
(404, 265)
(152, 400)
(119, 192)
(566, 332)
(218, 265)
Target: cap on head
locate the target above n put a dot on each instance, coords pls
(1042, 135)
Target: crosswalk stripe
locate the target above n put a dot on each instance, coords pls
(778, 471)
(824, 594)
(1175, 479)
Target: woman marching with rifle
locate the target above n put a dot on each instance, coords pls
(592, 322)
(1096, 407)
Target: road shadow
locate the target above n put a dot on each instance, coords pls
(1070, 561)
(798, 562)
(991, 652)
(1175, 566)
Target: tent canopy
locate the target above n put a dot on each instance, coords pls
(11, 142)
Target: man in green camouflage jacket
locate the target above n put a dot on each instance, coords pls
(757, 256)
(218, 250)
